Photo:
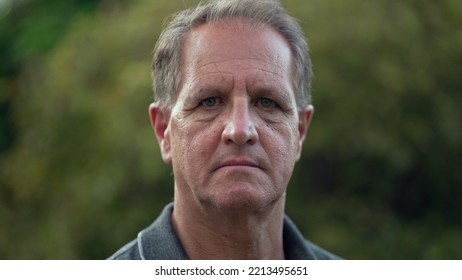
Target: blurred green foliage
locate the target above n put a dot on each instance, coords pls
(379, 178)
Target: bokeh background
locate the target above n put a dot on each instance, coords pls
(380, 176)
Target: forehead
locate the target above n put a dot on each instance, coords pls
(235, 42)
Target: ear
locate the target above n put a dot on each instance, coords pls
(160, 123)
(304, 117)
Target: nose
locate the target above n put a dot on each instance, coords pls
(240, 127)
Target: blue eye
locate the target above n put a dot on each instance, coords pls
(266, 103)
(210, 102)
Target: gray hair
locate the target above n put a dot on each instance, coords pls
(167, 53)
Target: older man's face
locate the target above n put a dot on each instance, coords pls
(234, 132)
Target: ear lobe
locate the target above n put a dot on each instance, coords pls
(305, 117)
(160, 120)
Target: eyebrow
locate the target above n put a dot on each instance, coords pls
(278, 93)
(210, 90)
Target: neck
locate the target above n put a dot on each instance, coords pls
(207, 232)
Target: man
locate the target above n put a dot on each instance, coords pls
(232, 84)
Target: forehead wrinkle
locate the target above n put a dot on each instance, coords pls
(231, 59)
(271, 72)
(218, 69)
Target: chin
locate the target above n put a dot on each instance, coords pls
(244, 198)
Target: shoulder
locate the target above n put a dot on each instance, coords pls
(128, 252)
(156, 242)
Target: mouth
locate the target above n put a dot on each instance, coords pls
(237, 164)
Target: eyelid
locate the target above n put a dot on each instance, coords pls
(273, 105)
(216, 98)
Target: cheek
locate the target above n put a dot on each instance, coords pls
(283, 137)
(281, 145)
(193, 144)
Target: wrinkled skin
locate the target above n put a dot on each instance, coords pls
(234, 133)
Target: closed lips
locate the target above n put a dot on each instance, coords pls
(238, 163)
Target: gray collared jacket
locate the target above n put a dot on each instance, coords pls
(159, 242)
